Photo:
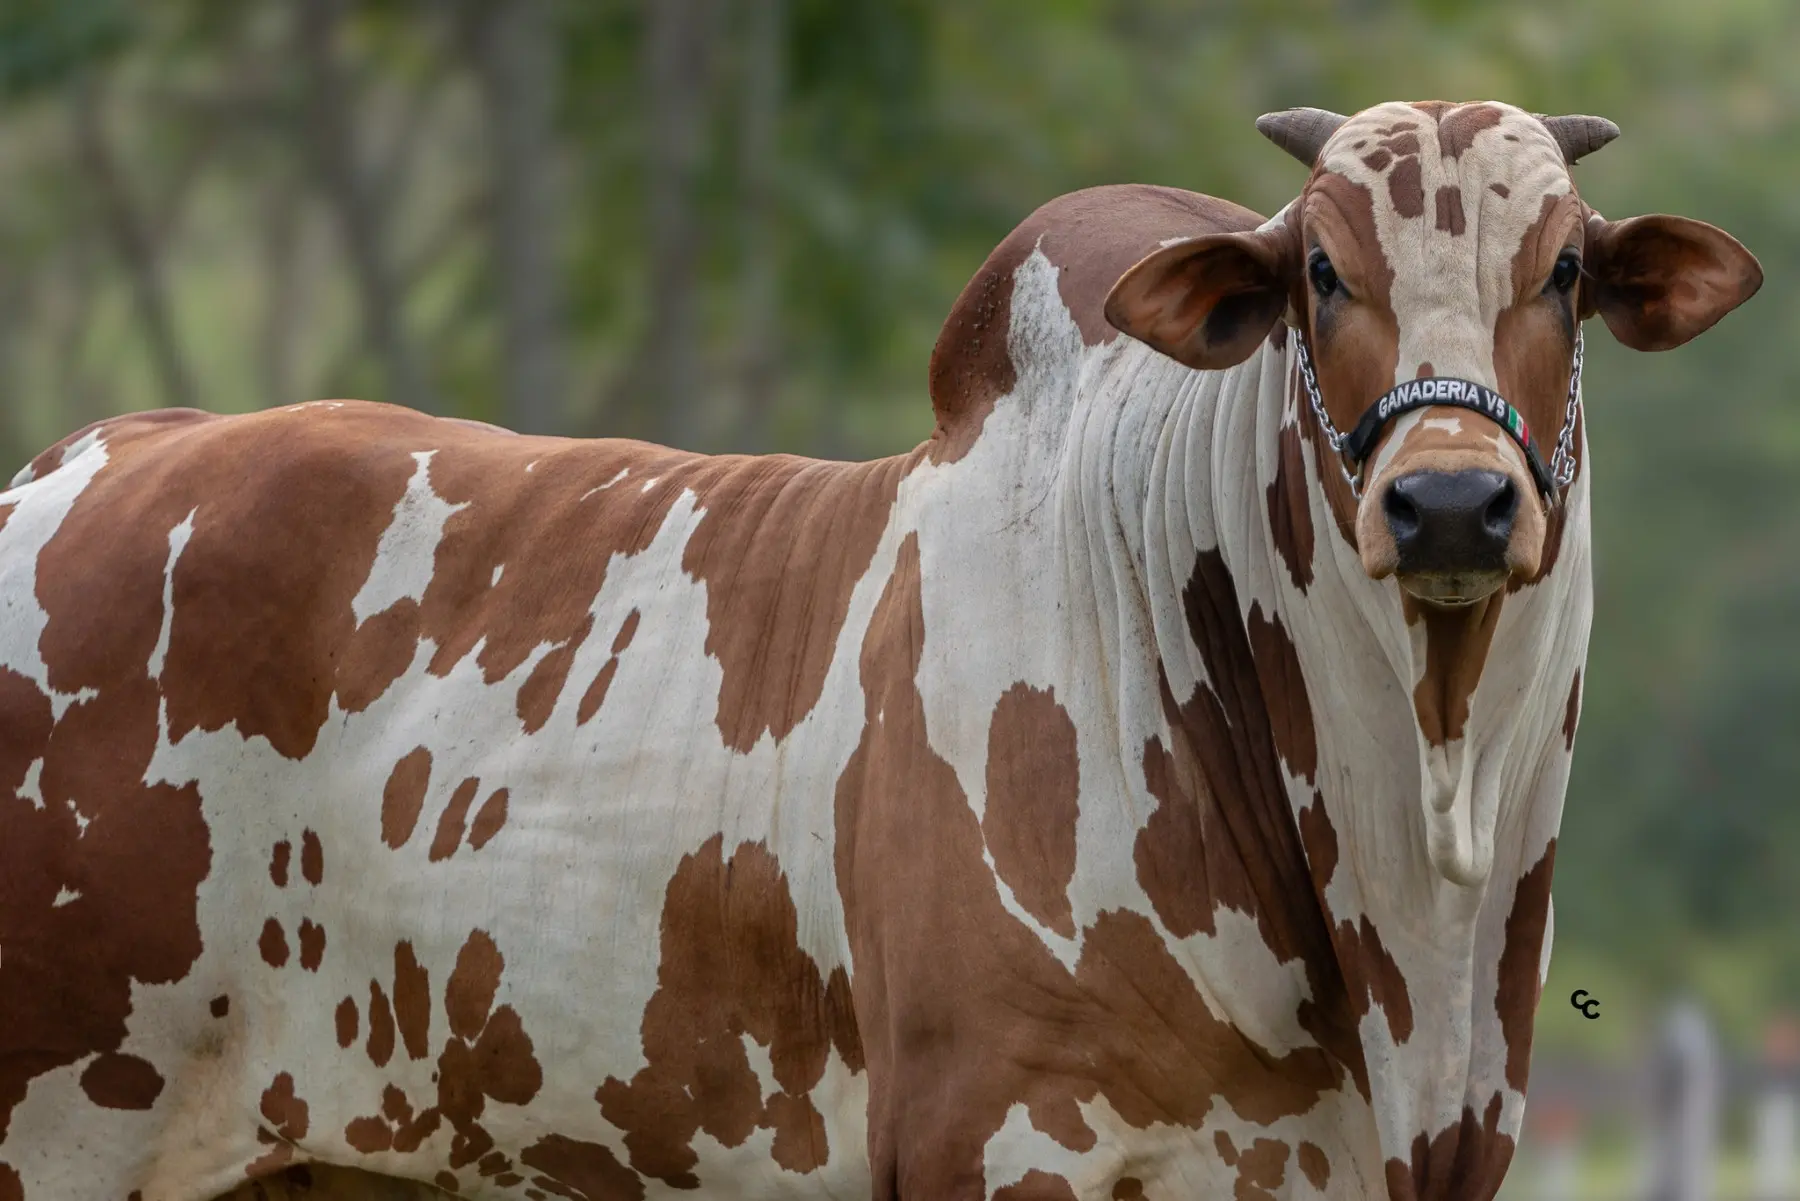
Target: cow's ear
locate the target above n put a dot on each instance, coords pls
(1658, 281)
(1210, 301)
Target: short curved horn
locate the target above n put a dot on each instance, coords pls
(1302, 132)
(1580, 135)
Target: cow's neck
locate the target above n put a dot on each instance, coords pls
(1440, 974)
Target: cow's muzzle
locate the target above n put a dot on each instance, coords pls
(1451, 531)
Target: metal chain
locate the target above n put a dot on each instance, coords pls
(1562, 459)
(1332, 435)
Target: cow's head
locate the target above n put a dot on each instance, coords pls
(1445, 242)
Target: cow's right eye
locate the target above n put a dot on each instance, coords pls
(1324, 275)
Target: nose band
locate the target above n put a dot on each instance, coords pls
(1454, 393)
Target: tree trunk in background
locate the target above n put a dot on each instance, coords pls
(126, 228)
(759, 351)
(353, 200)
(678, 70)
(516, 50)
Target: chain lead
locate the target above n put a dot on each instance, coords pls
(1562, 459)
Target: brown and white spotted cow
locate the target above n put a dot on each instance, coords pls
(1098, 802)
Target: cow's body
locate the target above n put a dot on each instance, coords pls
(1035, 815)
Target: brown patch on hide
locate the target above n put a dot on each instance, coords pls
(1290, 507)
(1458, 126)
(345, 1019)
(537, 696)
(450, 823)
(1516, 994)
(1033, 794)
(1037, 1185)
(312, 859)
(278, 863)
(731, 969)
(284, 1110)
(381, 1027)
(312, 945)
(221, 1005)
(595, 696)
(1126, 1023)
(1406, 189)
(1314, 1165)
(273, 944)
(115, 1081)
(412, 1001)
(1572, 712)
(1450, 218)
(489, 821)
(1466, 1160)
(580, 1171)
(1456, 648)
(1261, 1169)
(403, 799)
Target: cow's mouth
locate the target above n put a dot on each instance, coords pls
(1452, 589)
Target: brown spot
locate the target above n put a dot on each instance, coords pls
(1290, 510)
(1284, 687)
(283, 1110)
(1426, 370)
(1458, 127)
(1450, 210)
(1127, 1022)
(1500, 190)
(1402, 145)
(346, 1019)
(381, 1027)
(412, 1001)
(273, 944)
(489, 820)
(220, 1006)
(1572, 712)
(581, 1171)
(1128, 1188)
(13, 1189)
(1037, 1185)
(369, 1135)
(1516, 995)
(1468, 1159)
(627, 631)
(312, 945)
(450, 825)
(710, 996)
(1314, 1165)
(404, 797)
(1378, 160)
(278, 864)
(1261, 1169)
(115, 1081)
(1406, 189)
(312, 859)
(473, 984)
(378, 652)
(493, 1163)
(1033, 792)
(537, 696)
(595, 696)
(1456, 647)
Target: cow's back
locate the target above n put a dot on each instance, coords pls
(403, 793)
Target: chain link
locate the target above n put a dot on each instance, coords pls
(1562, 459)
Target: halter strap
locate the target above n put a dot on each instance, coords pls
(1454, 393)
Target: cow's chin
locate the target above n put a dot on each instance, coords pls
(1451, 589)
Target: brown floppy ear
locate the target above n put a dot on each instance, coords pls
(1658, 281)
(1209, 301)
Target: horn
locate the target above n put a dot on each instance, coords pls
(1302, 132)
(1580, 135)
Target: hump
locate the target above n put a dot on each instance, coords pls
(1091, 237)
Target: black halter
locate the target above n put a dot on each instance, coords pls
(1356, 446)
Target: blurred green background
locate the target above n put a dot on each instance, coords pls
(738, 224)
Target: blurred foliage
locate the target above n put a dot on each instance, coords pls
(908, 137)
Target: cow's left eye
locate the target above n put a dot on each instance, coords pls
(1566, 272)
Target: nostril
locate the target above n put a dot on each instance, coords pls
(1402, 514)
(1497, 518)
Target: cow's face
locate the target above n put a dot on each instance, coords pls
(1438, 240)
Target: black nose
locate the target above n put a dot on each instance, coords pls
(1451, 521)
